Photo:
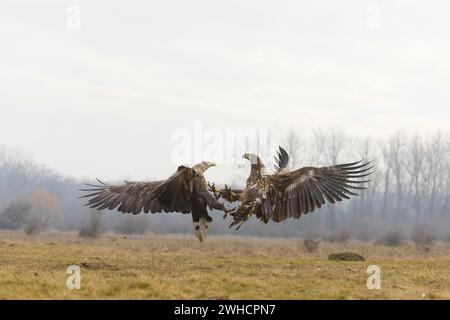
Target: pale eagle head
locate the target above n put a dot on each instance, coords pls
(203, 166)
(253, 158)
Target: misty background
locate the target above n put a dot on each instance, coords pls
(409, 192)
(97, 89)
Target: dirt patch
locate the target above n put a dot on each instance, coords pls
(97, 266)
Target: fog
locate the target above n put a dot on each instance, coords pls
(408, 192)
(97, 88)
(100, 89)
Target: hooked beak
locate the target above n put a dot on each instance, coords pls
(212, 164)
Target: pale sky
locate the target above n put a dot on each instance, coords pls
(104, 100)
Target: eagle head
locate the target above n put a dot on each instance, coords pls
(253, 158)
(203, 166)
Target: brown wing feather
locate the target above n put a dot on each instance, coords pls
(289, 195)
(282, 160)
(171, 195)
(175, 193)
(307, 189)
(131, 197)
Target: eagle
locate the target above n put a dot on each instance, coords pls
(289, 194)
(186, 191)
(258, 169)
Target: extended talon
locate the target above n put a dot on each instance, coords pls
(227, 212)
(229, 195)
(212, 188)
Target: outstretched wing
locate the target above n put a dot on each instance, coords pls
(307, 189)
(176, 192)
(131, 197)
(282, 160)
(171, 195)
(282, 196)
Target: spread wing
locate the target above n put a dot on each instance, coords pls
(307, 189)
(131, 197)
(289, 195)
(282, 160)
(176, 192)
(171, 195)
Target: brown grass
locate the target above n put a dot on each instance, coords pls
(179, 267)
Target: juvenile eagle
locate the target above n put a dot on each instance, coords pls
(185, 192)
(277, 197)
(257, 169)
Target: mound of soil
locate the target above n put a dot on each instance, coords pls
(346, 256)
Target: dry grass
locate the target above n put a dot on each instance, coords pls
(179, 267)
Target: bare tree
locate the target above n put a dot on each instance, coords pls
(17, 213)
(294, 148)
(414, 167)
(318, 146)
(410, 188)
(336, 141)
(364, 148)
(393, 154)
(435, 161)
(387, 161)
(333, 148)
(44, 210)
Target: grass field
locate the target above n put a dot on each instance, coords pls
(179, 267)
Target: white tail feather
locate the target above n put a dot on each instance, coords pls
(201, 229)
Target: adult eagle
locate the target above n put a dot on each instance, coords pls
(185, 192)
(277, 197)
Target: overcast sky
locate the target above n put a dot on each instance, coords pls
(103, 100)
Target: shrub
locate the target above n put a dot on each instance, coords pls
(33, 226)
(44, 209)
(422, 239)
(392, 238)
(93, 228)
(311, 246)
(16, 214)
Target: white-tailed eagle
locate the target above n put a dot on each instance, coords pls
(282, 195)
(185, 192)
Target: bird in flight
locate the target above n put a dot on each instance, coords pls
(269, 197)
(284, 194)
(185, 192)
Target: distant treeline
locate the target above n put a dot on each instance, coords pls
(410, 190)
(410, 187)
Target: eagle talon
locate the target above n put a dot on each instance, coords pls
(227, 213)
(212, 188)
